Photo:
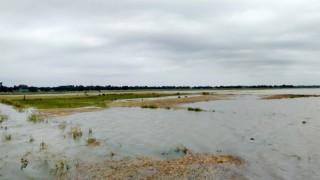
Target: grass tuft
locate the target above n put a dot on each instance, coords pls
(31, 139)
(62, 125)
(7, 137)
(3, 117)
(181, 148)
(61, 167)
(76, 132)
(91, 141)
(36, 117)
(43, 146)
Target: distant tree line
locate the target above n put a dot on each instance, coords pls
(16, 88)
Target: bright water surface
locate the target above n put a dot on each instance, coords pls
(268, 134)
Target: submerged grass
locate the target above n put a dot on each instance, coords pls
(91, 141)
(7, 137)
(72, 101)
(3, 117)
(62, 125)
(36, 117)
(75, 132)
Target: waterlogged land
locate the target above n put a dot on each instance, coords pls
(264, 134)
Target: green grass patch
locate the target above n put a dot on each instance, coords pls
(71, 101)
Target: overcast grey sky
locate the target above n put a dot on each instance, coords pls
(152, 42)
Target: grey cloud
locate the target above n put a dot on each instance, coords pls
(203, 42)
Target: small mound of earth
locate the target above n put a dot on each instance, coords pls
(190, 166)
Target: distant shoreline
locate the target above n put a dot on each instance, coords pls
(25, 89)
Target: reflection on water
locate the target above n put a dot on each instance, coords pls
(268, 134)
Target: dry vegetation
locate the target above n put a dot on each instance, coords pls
(190, 166)
(168, 103)
(67, 111)
(291, 96)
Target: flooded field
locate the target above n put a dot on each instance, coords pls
(276, 138)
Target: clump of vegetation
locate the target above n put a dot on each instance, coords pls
(182, 149)
(149, 106)
(7, 137)
(195, 109)
(36, 117)
(111, 153)
(62, 125)
(91, 141)
(31, 139)
(24, 162)
(3, 117)
(61, 167)
(205, 93)
(43, 146)
(90, 131)
(76, 132)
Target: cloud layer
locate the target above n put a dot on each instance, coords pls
(146, 42)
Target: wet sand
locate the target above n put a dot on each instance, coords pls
(169, 103)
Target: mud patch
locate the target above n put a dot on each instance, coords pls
(192, 165)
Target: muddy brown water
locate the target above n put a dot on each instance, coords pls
(268, 134)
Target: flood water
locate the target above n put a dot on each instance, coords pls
(268, 134)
